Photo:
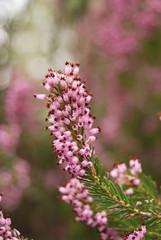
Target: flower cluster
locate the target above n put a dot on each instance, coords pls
(15, 176)
(121, 26)
(9, 137)
(18, 103)
(6, 231)
(71, 127)
(70, 119)
(119, 29)
(127, 176)
(14, 182)
(137, 235)
(74, 194)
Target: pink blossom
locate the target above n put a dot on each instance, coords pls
(9, 137)
(69, 110)
(118, 29)
(6, 230)
(135, 166)
(41, 96)
(75, 194)
(129, 191)
(18, 104)
(118, 169)
(137, 235)
(120, 174)
(14, 182)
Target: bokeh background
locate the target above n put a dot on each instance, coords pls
(118, 44)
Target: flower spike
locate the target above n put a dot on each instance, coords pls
(70, 118)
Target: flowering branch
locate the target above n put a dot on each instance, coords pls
(7, 232)
(123, 204)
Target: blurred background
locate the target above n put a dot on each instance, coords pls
(118, 44)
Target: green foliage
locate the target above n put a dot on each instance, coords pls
(149, 186)
(125, 212)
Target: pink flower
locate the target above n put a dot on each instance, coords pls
(70, 118)
(14, 182)
(9, 137)
(18, 104)
(135, 166)
(129, 191)
(75, 194)
(6, 230)
(137, 235)
(120, 174)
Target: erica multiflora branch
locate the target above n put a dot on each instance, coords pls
(70, 123)
(86, 210)
(133, 210)
(71, 126)
(70, 119)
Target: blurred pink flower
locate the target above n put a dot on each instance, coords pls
(118, 102)
(148, 19)
(119, 28)
(9, 137)
(6, 230)
(14, 182)
(18, 103)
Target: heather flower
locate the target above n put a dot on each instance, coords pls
(120, 173)
(75, 194)
(70, 119)
(118, 101)
(9, 137)
(71, 126)
(14, 182)
(137, 235)
(148, 19)
(119, 29)
(135, 166)
(129, 191)
(18, 104)
(6, 230)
